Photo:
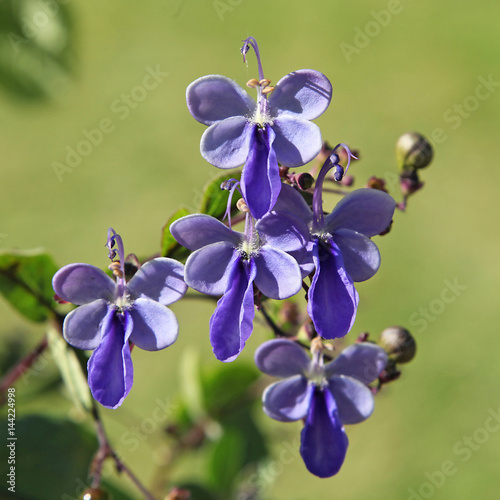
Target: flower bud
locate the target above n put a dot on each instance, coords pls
(304, 180)
(398, 343)
(413, 151)
(376, 183)
(94, 494)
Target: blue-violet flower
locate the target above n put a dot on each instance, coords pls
(276, 129)
(228, 263)
(326, 396)
(113, 313)
(340, 249)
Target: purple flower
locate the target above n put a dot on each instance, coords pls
(113, 313)
(326, 396)
(229, 263)
(340, 249)
(276, 129)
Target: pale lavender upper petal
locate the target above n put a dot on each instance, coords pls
(226, 144)
(155, 326)
(232, 322)
(290, 200)
(213, 98)
(354, 399)
(333, 300)
(298, 141)
(110, 366)
(83, 283)
(323, 442)
(198, 230)
(208, 269)
(363, 361)
(278, 274)
(283, 230)
(281, 358)
(81, 327)
(260, 179)
(367, 211)
(287, 400)
(160, 279)
(361, 256)
(305, 93)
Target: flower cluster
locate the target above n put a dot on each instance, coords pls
(286, 245)
(113, 315)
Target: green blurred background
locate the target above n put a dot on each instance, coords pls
(395, 66)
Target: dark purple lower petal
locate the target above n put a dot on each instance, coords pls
(260, 180)
(323, 442)
(333, 300)
(110, 366)
(232, 322)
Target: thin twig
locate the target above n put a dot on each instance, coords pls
(105, 451)
(21, 368)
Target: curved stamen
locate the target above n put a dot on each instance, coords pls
(112, 239)
(251, 42)
(231, 185)
(332, 161)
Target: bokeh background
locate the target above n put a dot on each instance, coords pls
(396, 66)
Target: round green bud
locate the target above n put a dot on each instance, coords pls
(413, 151)
(95, 494)
(398, 343)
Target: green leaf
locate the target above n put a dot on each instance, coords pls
(226, 460)
(214, 201)
(26, 282)
(35, 48)
(228, 389)
(71, 370)
(52, 458)
(191, 389)
(169, 245)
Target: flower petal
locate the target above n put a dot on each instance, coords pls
(290, 200)
(354, 400)
(287, 400)
(83, 283)
(367, 211)
(260, 179)
(226, 144)
(305, 93)
(81, 327)
(333, 300)
(363, 361)
(360, 254)
(278, 274)
(155, 326)
(198, 230)
(297, 141)
(208, 269)
(231, 323)
(284, 231)
(323, 440)
(213, 98)
(110, 366)
(281, 358)
(159, 279)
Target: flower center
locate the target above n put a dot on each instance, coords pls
(252, 242)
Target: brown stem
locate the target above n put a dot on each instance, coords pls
(105, 451)
(21, 368)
